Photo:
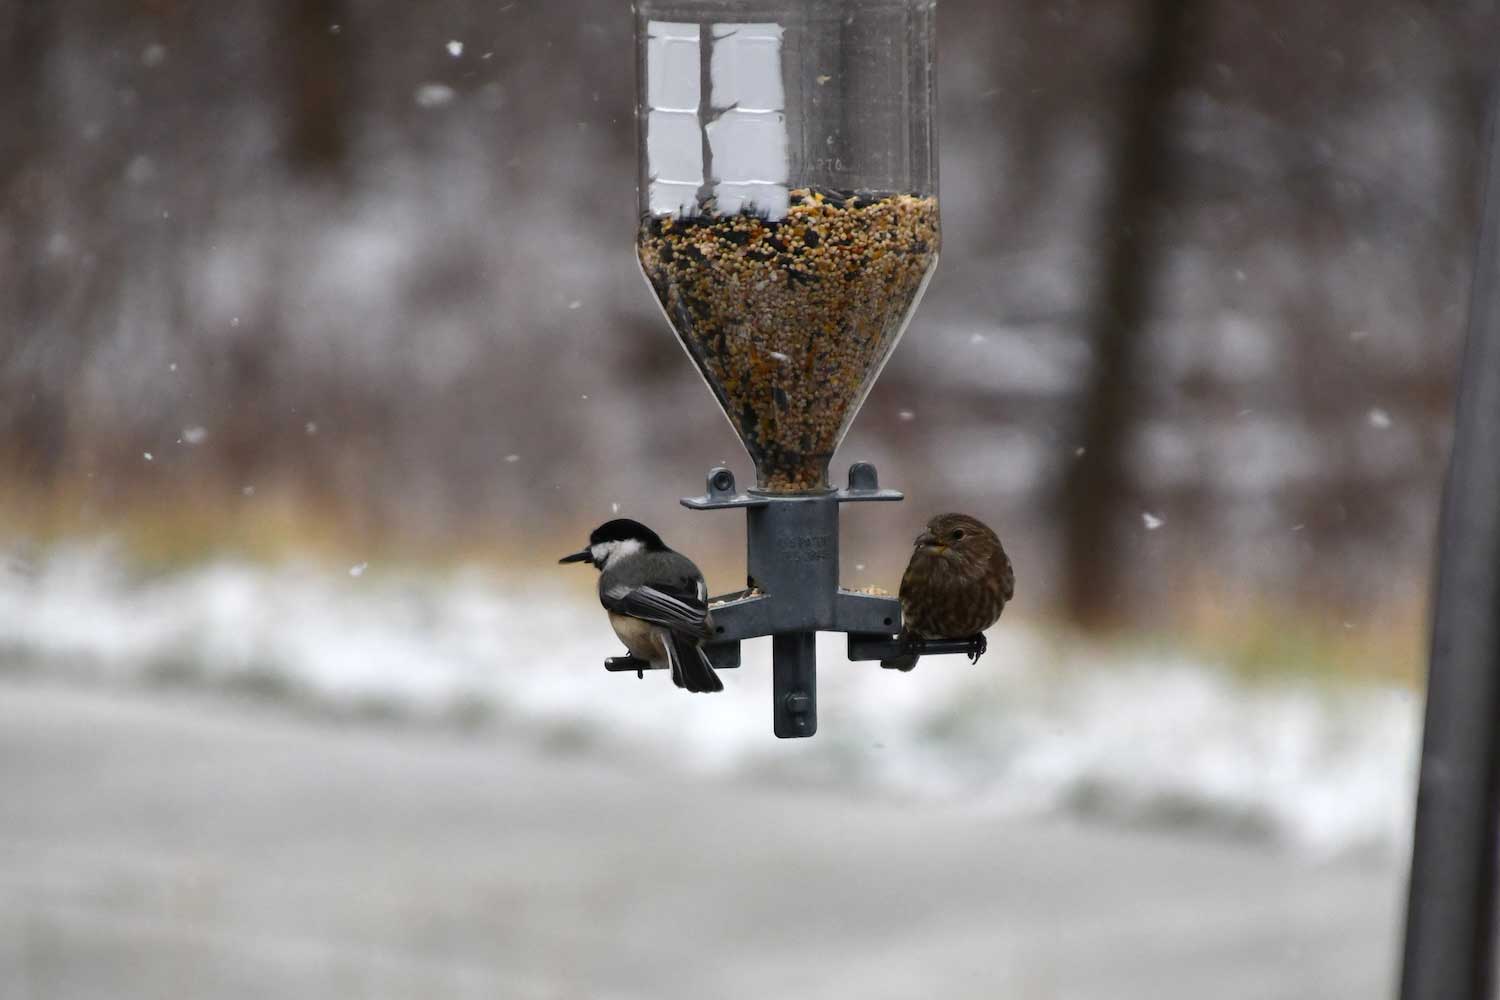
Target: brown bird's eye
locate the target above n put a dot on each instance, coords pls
(958, 533)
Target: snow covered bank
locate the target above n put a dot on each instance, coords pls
(1039, 727)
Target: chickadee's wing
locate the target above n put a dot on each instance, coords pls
(683, 609)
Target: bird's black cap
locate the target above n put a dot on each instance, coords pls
(623, 529)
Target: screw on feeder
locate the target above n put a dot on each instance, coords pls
(798, 719)
(721, 483)
(863, 478)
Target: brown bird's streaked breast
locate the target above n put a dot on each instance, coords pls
(958, 581)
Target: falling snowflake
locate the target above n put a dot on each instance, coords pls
(434, 95)
(141, 170)
(154, 54)
(146, 455)
(247, 491)
(976, 338)
(575, 304)
(614, 508)
(194, 435)
(1378, 418)
(512, 459)
(859, 567)
(1151, 521)
(455, 48)
(172, 367)
(310, 428)
(907, 415)
(358, 569)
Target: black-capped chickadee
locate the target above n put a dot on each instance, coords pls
(656, 599)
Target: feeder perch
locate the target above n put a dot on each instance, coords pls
(789, 226)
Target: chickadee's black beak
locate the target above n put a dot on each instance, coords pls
(584, 556)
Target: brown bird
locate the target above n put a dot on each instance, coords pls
(957, 583)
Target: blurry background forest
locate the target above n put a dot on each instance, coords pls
(345, 282)
(322, 337)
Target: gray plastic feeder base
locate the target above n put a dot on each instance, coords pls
(793, 593)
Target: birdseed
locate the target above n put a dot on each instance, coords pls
(789, 320)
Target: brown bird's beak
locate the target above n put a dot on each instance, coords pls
(927, 540)
(585, 556)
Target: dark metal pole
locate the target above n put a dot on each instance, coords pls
(1450, 909)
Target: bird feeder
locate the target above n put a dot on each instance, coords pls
(789, 226)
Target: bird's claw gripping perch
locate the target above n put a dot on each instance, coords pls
(902, 652)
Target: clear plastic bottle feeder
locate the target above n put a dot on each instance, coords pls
(788, 192)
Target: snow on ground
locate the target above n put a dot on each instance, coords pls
(1041, 726)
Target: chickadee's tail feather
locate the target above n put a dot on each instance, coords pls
(690, 666)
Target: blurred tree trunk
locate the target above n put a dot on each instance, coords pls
(313, 97)
(1472, 73)
(33, 412)
(1097, 483)
(319, 87)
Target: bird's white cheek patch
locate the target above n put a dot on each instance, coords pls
(613, 552)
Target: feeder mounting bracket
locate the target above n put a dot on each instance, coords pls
(792, 593)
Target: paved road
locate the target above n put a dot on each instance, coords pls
(162, 847)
